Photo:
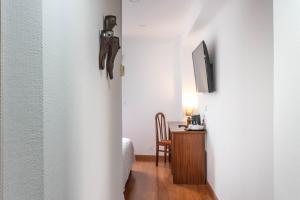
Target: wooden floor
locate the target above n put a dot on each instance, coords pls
(148, 182)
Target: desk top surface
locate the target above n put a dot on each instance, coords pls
(174, 128)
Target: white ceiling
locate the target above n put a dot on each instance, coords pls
(155, 18)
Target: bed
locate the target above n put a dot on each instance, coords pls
(128, 159)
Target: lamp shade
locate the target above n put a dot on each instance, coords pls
(189, 111)
(189, 102)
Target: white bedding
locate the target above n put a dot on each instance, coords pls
(128, 158)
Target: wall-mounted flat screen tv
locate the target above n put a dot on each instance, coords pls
(203, 69)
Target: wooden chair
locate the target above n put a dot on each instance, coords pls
(162, 136)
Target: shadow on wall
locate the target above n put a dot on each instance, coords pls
(210, 164)
(208, 12)
(213, 53)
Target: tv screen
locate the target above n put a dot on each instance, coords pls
(203, 69)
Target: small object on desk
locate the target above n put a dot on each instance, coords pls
(196, 119)
(192, 127)
(182, 125)
(203, 122)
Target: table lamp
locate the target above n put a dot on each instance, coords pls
(188, 114)
(189, 102)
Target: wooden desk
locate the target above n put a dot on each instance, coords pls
(188, 155)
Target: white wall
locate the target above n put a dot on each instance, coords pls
(82, 109)
(240, 113)
(151, 84)
(286, 99)
(21, 100)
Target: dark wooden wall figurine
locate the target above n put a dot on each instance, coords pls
(109, 46)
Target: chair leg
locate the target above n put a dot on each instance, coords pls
(157, 148)
(165, 154)
(169, 154)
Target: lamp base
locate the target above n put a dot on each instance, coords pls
(188, 120)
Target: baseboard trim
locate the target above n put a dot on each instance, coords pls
(212, 192)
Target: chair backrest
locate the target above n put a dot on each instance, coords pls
(160, 125)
